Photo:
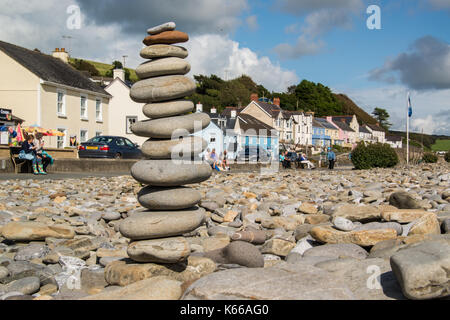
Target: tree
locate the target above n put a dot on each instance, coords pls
(382, 116)
(117, 65)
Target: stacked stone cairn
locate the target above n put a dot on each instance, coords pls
(156, 233)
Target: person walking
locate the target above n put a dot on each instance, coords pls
(331, 156)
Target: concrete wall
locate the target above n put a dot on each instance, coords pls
(120, 107)
(72, 121)
(18, 89)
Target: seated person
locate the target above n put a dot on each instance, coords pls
(28, 152)
(305, 160)
(44, 156)
(224, 161)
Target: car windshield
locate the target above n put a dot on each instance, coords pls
(105, 140)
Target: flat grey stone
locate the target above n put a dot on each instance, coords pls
(280, 282)
(164, 250)
(337, 250)
(167, 109)
(31, 251)
(157, 198)
(173, 127)
(244, 254)
(162, 89)
(26, 286)
(343, 224)
(403, 200)
(162, 51)
(167, 173)
(111, 215)
(183, 148)
(168, 26)
(162, 67)
(161, 224)
(381, 225)
(423, 270)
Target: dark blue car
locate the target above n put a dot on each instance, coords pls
(109, 147)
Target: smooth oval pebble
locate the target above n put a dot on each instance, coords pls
(168, 26)
(168, 173)
(167, 109)
(156, 198)
(162, 89)
(166, 250)
(343, 224)
(173, 127)
(163, 51)
(183, 148)
(161, 224)
(161, 67)
(166, 37)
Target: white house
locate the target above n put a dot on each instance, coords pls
(378, 133)
(395, 141)
(212, 134)
(123, 111)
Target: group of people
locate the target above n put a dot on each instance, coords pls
(303, 160)
(33, 150)
(299, 159)
(218, 163)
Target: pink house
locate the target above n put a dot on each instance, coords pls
(346, 134)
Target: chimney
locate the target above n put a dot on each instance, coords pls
(61, 54)
(119, 73)
(213, 110)
(233, 114)
(199, 107)
(254, 97)
(276, 101)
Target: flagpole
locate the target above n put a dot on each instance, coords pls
(407, 130)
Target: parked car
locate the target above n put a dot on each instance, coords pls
(109, 147)
(253, 154)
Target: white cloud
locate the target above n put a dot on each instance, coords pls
(304, 46)
(301, 7)
(426, 105)
(215, 54)
(252, 22)
(322, 21)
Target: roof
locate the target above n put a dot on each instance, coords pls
(227, 111)
(271, 109)
(344, 126)
(325, 123)
(375, 127)
(393, 138)
(363, 129)
(50, 69)
(317, 124)
(347, 119)
(247, 122)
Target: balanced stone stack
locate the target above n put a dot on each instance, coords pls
(171, 210)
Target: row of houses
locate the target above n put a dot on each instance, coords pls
(46, 91)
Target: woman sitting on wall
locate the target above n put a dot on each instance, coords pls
(41, 153)
(28, 152)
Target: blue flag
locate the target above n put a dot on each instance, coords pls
(409, 106)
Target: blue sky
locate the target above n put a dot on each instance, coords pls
(276, 42)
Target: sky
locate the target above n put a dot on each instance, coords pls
(276, 42)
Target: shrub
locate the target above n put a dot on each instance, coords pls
(376, 155)
(430, 157)
(447, 156)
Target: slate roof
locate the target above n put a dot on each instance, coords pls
(344, 126)
(49, 68)
(394, 138)
(317, 124)
(375, 127)
(227, 111)
(325, 123)
(363, 129)
(247, 122)
(347, 119)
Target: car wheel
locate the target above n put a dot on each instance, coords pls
(118, 156)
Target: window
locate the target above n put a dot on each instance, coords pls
(212, 140)
(130, 120)
(61, 141)
(129, 143)
(61, 103)
(83, 108)
(83, 135)
(98, 133)
(98, 110)
(105, 140)
(120, 142)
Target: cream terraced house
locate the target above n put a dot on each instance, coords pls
(47, 92)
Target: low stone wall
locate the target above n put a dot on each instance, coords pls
(55, 153)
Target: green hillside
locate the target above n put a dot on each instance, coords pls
(350, 108)
(441, 145)
(101, 68)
